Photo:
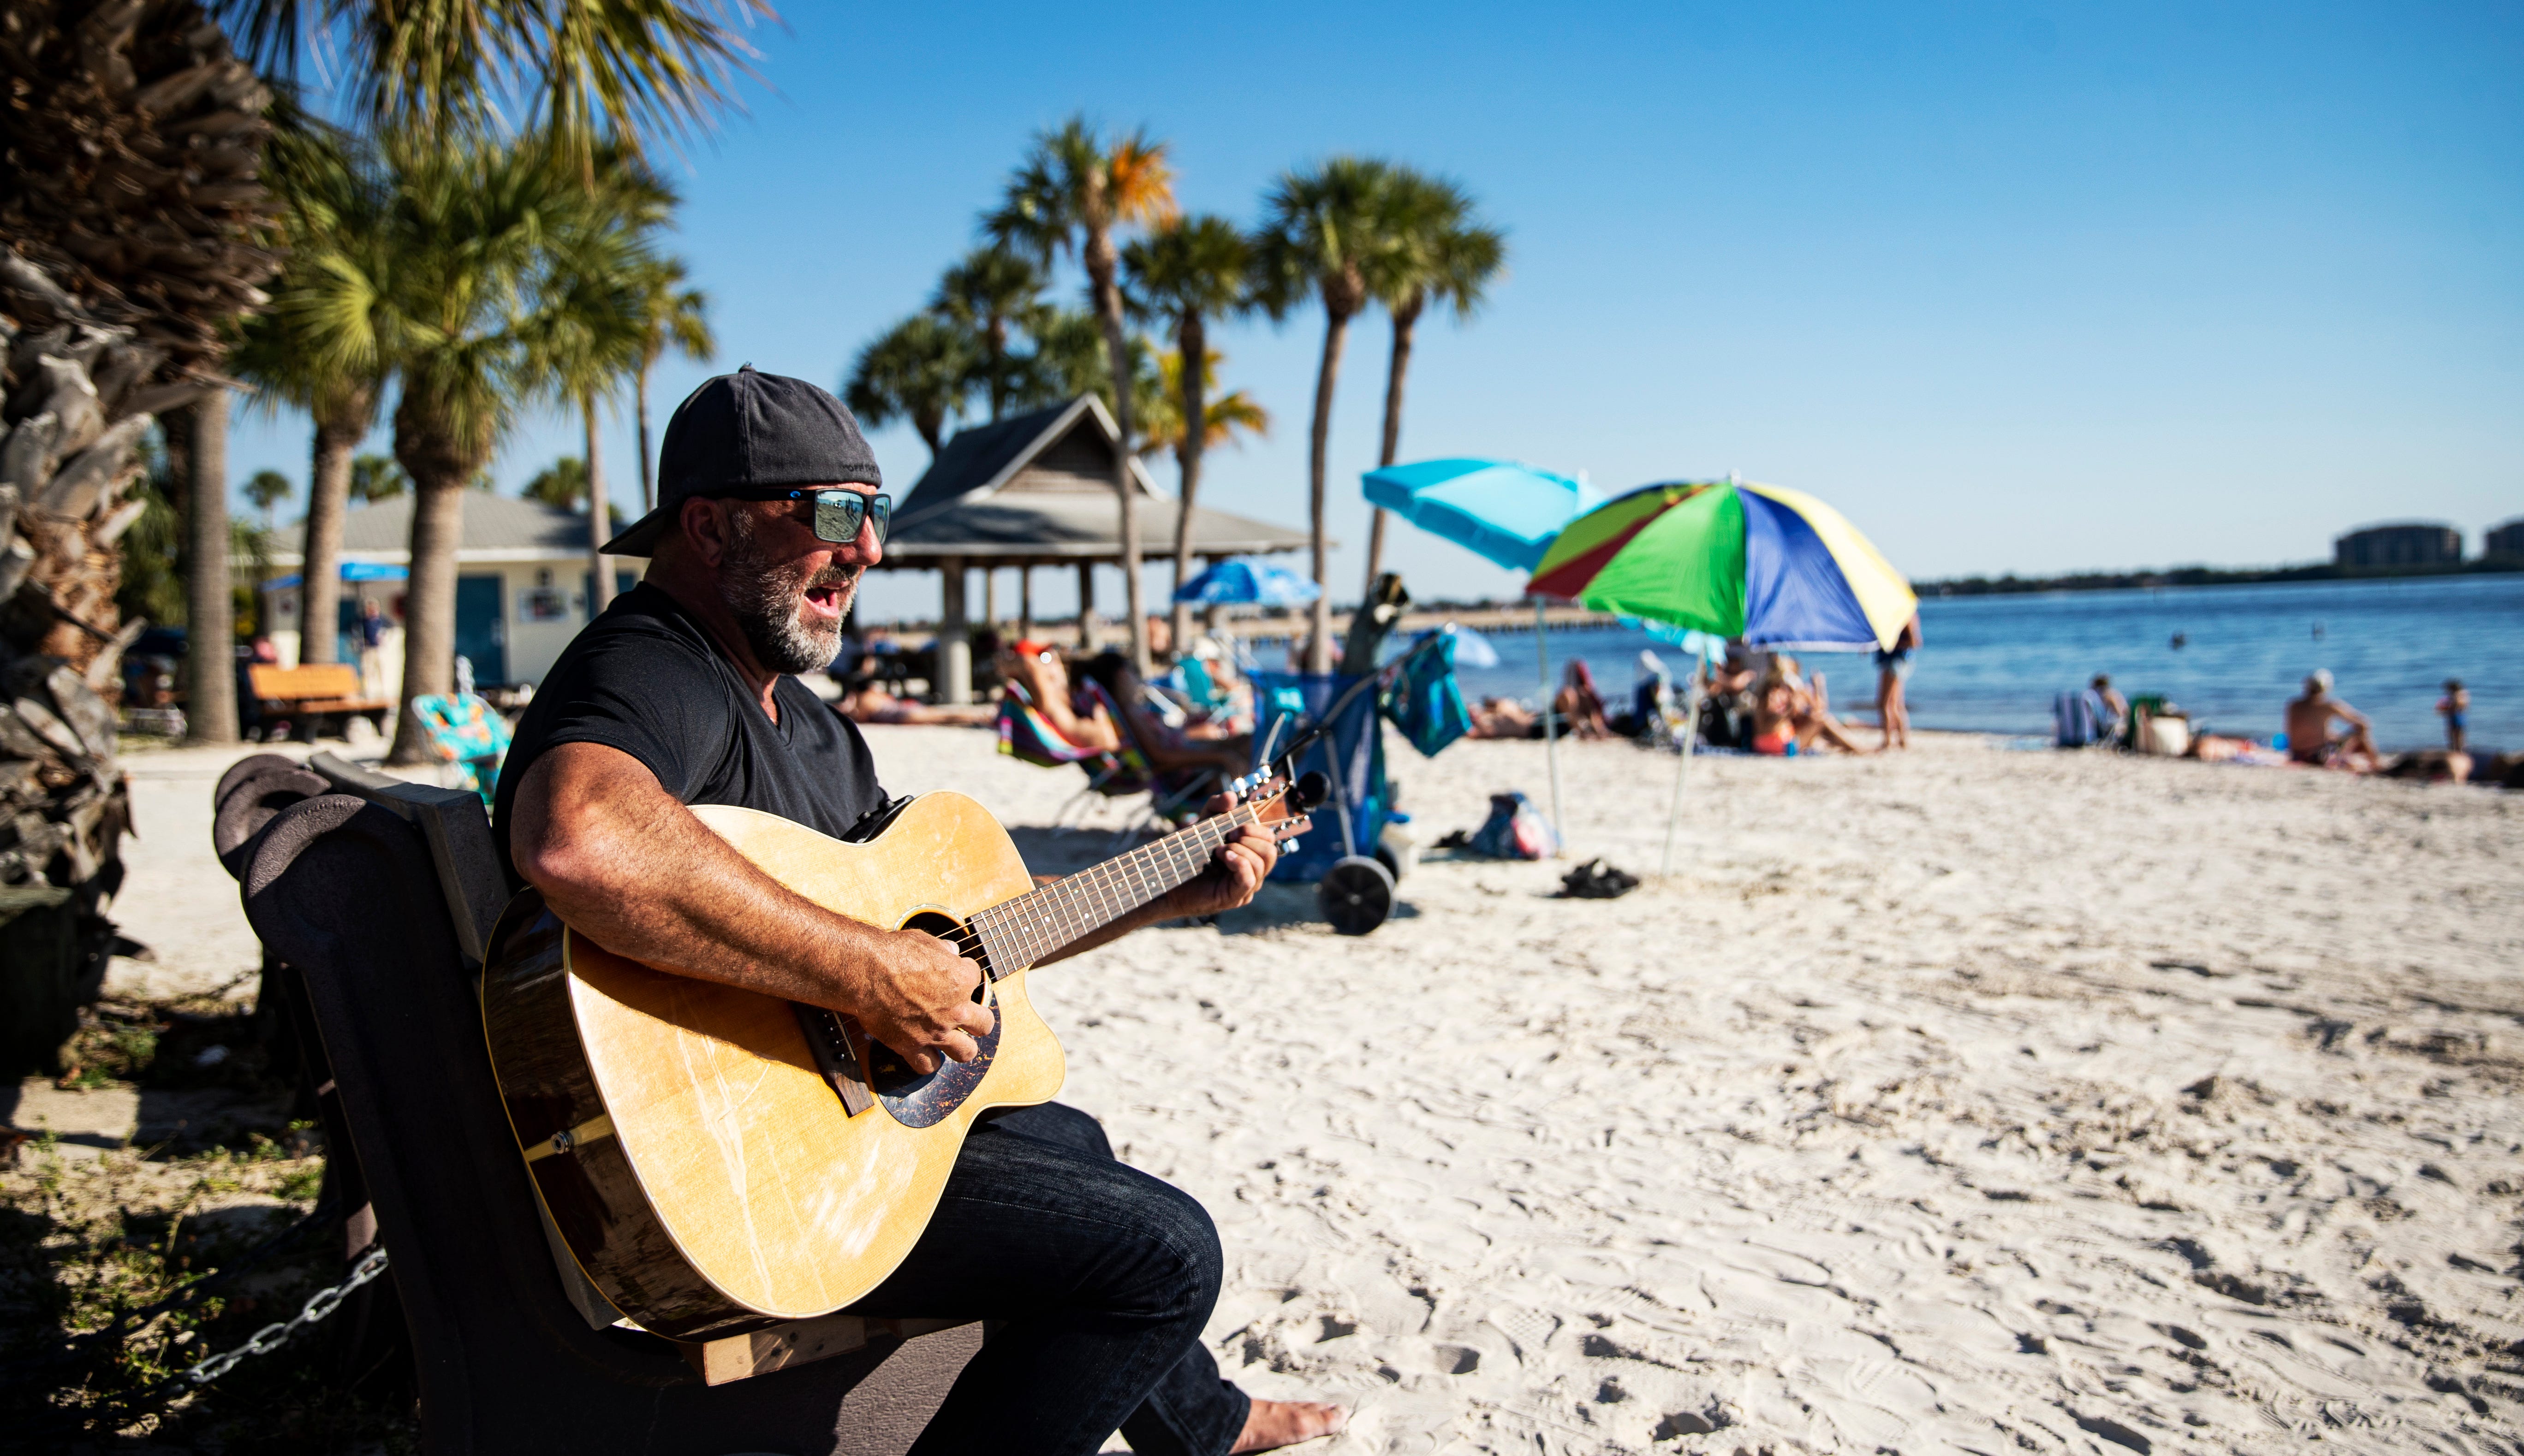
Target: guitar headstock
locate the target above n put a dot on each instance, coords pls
(1279, 805)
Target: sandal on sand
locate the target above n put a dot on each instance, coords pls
(1597, 880)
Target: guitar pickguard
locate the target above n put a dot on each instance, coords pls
(921, 1099)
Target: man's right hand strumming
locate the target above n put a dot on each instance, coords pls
(917, 997)
(592, 824)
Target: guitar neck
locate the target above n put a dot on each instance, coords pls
(1019, 932)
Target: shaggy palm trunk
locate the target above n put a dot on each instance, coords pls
(209, 603)
(600, 572)
(1117, 348)
(128, 245)
(1406, 321)
(1319, 649)
(1192, 347)
(328, 498)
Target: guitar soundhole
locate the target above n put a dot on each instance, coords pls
(920, 1099)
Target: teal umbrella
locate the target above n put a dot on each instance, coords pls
(1505, 511)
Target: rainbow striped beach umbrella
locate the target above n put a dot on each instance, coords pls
(1772, 565)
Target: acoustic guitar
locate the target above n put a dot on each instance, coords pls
(719, 1161)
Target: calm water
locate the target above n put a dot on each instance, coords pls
(1992, 663)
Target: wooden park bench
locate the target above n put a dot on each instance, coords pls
(315, 691)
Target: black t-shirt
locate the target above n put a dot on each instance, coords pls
(646, 679)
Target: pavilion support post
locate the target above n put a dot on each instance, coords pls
(991, 598)
(1024, 604)
(1087, 607)
(954, 647)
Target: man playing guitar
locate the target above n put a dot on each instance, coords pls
(682, 693)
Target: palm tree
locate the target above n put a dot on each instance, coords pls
(1321, 233)
(336, 200)
(1228, 415)
(589, 331)
(266, 489)
(377, 477)
(1071, 193)
(988, 293)
(1434, 252)
(470, 235)
(920, 370)
(674, 317)
(1188, 272)
(583, 76)
(562, 483)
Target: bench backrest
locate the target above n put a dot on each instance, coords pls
(310, 680)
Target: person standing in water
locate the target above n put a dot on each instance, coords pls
(1892, 674)
(2453, 706)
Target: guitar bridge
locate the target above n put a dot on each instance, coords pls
(830, 1042)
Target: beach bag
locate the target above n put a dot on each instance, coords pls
(2166, 734)
(1515, 830)
(1425, 704)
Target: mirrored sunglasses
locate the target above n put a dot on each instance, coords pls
(839, 513)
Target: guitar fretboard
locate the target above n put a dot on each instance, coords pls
(1019, 932)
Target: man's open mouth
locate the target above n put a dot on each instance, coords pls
(825, 602)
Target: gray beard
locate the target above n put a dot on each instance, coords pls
(765, 598)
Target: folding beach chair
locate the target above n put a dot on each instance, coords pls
(1029, 737)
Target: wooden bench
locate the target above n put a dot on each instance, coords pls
(315, 690)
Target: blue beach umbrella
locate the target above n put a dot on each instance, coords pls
(1248, 581)
(1505, 511)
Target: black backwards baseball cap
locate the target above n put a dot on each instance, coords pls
(749, 434)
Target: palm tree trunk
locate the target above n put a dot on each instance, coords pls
(600, 573)
(1319, 651)
(1406, 322)
(429, 607)
(1117, 348)
(210, 687)
(648, 470)
(998, 336)
(319, 569)
(1192, 346)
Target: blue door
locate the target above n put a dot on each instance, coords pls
(481, 629)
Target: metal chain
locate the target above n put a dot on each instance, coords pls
(319, 1305)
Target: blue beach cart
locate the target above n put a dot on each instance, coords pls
(1328, 724)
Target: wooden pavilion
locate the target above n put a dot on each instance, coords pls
(1037, 490)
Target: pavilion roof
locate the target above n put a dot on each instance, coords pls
(1039, 488)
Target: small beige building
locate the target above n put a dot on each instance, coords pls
(521, 585)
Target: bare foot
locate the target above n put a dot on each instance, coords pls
(1274, 1423)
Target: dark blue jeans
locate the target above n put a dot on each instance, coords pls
(1097, 1278)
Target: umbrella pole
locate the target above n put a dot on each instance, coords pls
(1681, 768)
(1550, 731)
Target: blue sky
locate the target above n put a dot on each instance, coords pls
(2032, 287)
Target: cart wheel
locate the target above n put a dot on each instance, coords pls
(1356, 895)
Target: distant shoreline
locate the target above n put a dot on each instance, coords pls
(2199, 576)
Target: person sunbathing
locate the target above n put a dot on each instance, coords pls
(1503, 717)
(872, 704)
(1579, 706)
(2310, 741)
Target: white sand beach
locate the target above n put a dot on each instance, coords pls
(1957, 1100)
